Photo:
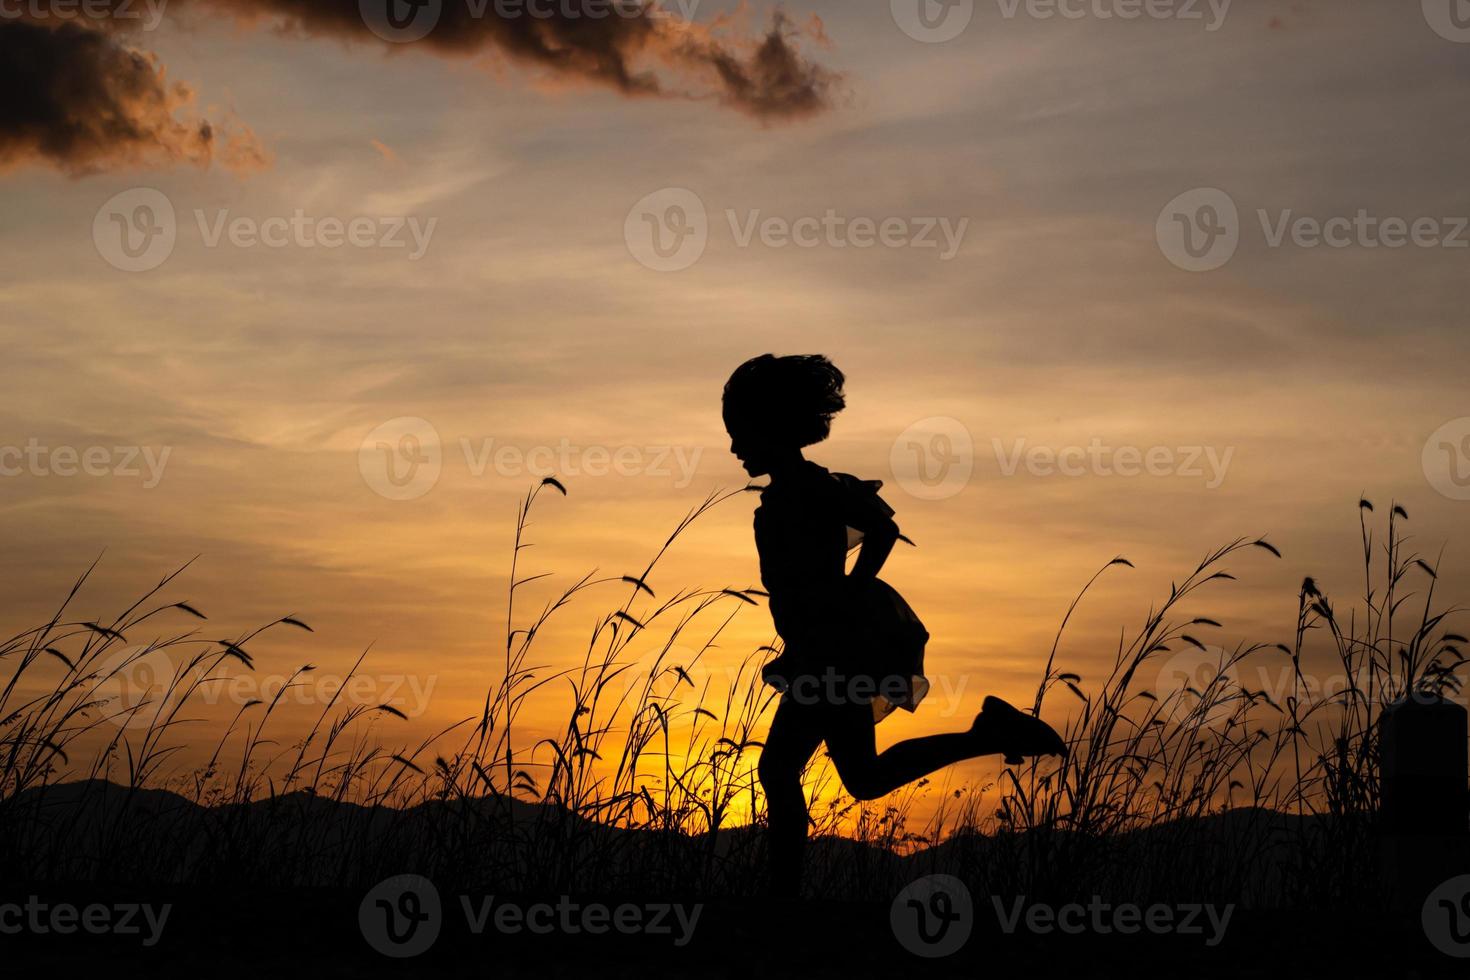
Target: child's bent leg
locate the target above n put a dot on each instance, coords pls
(868, 775)
(793, 738)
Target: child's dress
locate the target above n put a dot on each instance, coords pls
(804, 530)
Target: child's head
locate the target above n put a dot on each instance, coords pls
(775, 406)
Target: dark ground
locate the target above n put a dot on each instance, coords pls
(315, 933)
(220, 928)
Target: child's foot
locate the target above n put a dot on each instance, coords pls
(1015, 733)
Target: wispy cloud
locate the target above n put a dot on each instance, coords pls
(83, 100)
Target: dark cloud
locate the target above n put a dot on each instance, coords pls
(636, 47)
(80, 98)
(77, 99)
(775, 80)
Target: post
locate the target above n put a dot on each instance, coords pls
(1423, 745)
(1424, 819)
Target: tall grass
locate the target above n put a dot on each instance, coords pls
(1302, 776)
(649, 784)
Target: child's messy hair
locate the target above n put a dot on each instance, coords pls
(790, 398)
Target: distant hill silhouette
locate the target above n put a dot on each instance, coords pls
(97, 830)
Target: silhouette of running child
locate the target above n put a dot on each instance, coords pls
(853, 648)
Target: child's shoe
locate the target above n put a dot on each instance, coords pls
(1017, 733)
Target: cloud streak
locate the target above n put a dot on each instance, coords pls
(81, 99)
(634, 46)
(77, 100)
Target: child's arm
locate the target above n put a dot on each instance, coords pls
(870, 514)
(878, 541)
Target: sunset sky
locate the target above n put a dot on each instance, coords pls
(534, 311)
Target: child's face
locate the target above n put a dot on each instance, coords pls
(751, 453)
(750, 447)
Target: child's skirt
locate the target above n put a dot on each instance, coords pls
(892, 638)
(873, 643)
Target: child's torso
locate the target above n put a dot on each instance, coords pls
(802, 536)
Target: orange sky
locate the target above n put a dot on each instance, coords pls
(1272, 391)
